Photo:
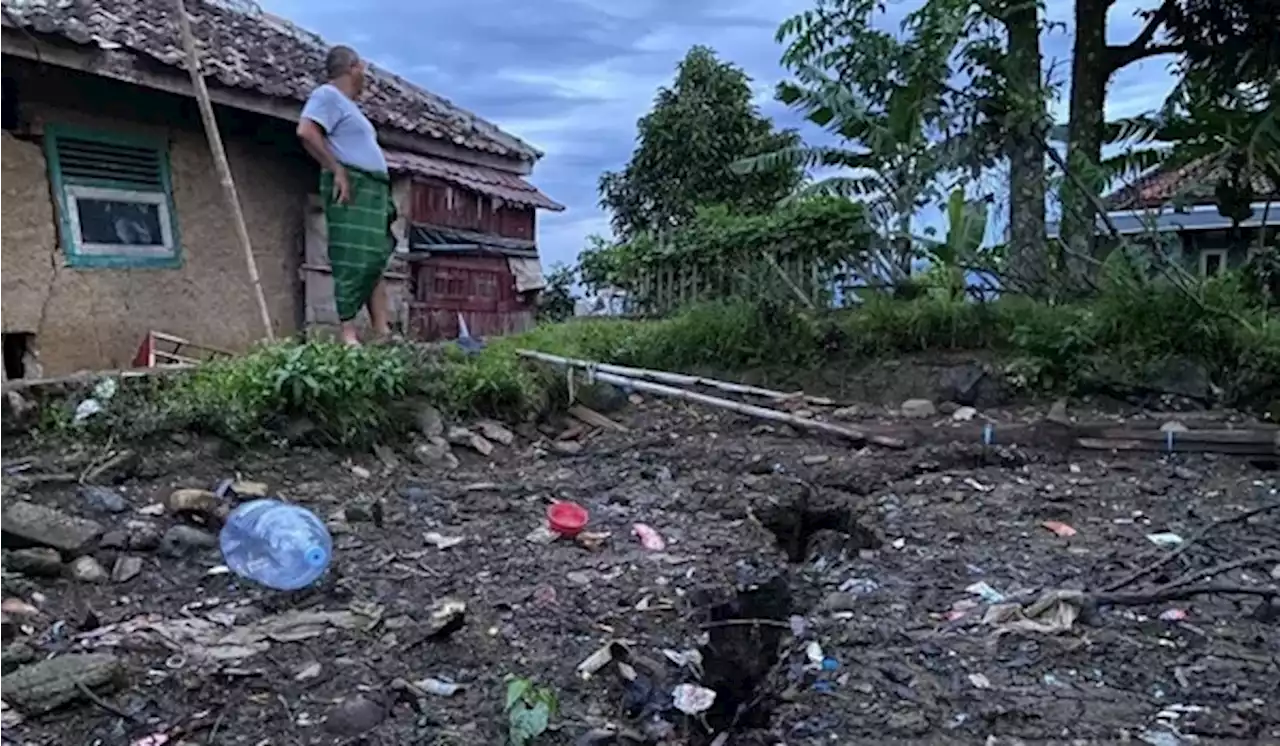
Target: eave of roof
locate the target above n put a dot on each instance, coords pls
(244, 48)
(488, 181)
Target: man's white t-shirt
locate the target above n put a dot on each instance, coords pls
(350, 134)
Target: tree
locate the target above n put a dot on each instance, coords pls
(1093, 63)
(901, 121)
(880, 96)
(701, 124)
(556, 302)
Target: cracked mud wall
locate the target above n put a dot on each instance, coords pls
(87, 318)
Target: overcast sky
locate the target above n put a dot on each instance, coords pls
(573, 76)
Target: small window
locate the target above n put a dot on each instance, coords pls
(114, 198)
(1213, 262)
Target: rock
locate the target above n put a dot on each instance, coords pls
(244, 488)
(436, 454)
(18, 609)
(41, 561)
(52, 683)
(964, 414)
(103, 499)
(1181, 376)
(16, 654)
(429, 421)
(838, 601)
(447, 616)
(127, 568)
(144, 537)
(114, 540)
(851, 412)
(181, 540)
(496, 432)
(19, 412)
(87, 570)
(1182, 472)
(48, 527)
(1058, 412)
(461, 436)
(603, 397)
(567, 447)
(961, 384)
(918, 409)
(948, 407)
(815, 459)
(358, 512)
(355, 716)
(199, 502)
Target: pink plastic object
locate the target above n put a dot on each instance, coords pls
(649, 537)
(567, 519)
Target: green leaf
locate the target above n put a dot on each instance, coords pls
(516, 689)
(527, 723)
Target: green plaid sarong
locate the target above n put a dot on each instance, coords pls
(360, 240)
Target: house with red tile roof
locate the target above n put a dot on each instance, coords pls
(1177, 207)
(101, 131)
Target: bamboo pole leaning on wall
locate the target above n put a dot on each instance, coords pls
(221, 163)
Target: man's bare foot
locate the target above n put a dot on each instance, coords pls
(350, 336)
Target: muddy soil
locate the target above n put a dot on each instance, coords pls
(832, 593)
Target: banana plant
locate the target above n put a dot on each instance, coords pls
(951, 259)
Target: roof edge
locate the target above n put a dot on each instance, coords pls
(122, 65)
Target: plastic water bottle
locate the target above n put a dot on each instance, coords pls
(279, 545)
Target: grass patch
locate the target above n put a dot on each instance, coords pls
(355, 396)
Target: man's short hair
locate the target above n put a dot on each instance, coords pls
(339, 61)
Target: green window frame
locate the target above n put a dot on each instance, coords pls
(95, 173)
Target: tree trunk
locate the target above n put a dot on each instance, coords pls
(1091, 69)
(1026, 159)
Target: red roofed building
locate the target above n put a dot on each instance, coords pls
(1178, 207)
(101, 130)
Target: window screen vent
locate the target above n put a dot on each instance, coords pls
(128, 165)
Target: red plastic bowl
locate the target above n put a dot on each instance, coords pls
(567, 519)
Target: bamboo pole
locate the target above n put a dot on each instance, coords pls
(678, 379)
(856, 437)
(220, 162)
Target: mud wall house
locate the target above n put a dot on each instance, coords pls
(1176, 209)
(114, 222)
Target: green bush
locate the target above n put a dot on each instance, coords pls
(349, 394)
(354, 396)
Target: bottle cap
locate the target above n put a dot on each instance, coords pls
(316, 556)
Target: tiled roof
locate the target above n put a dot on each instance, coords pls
(1192, 184)
(494, 183)
(243, 47)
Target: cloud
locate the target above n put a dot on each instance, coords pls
(573, 76)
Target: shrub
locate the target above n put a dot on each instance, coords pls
(354, 396)
(349, 394)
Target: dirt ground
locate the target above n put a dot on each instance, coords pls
(860, 569)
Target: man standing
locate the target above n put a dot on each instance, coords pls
(356, 191)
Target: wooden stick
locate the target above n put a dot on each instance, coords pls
(856, 436)
(220, 161)
(679, 379)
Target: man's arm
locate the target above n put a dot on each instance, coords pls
(313, 141)
(320, 115)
